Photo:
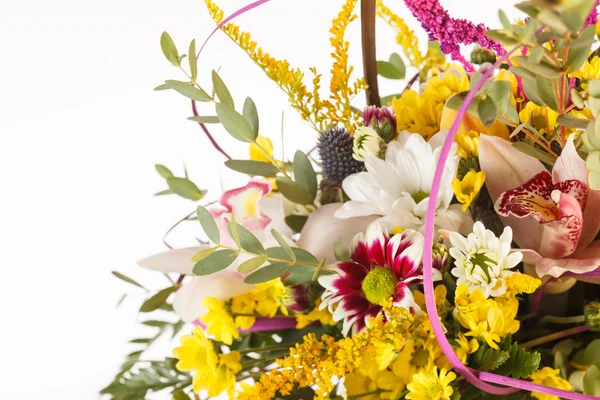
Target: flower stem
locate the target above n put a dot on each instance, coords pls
(208, 135)
(555, 336)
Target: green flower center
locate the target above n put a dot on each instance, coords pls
(482, 260)
(379, 285)
(420, 357)
(418, 197)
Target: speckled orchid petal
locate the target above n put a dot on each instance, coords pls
(570, 166)
(557, 267)
(559, 213)
(506, 168)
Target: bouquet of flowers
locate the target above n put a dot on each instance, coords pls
(439, 244)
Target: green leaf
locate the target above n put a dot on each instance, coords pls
(502, 37)
(188, 90)
(164, 86)
(232, 228)
(304, 173)
(499, 91)
(208, 224)
(341, 252)
(215, 262)
(543, 69)
(202, 254)
(251, 167)
(535, 152)
(546, 89)
(572, 122)
(185, 188)
(193, 60)
(296, 222)
(487, 110)
(157, 300)
(251, 114)
(318, 270)
(388, 70)
(521, 363)
(577, 99)
(301, 255)
(164, 192)
(386, 100)
(235, 123)
(249, 242)
(488, 359)
(522, 72)
(293, 191)
(126, 279)
(504, 20)
(180, 395)
(578, 55)
(284, 245)
(397, 62)
(531, 90)
(140, 340)
(221, 89)
(169, 49)
(252, 264)
(591, 381)
(592, 352)
(163, 171)
(206, 120)
(155, 324)
(268, 272)
(551, 18)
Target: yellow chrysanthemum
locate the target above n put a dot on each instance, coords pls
(541, 118)
(468, 189)
(219, 321)
(196, 351)
(428, 385)
(417, 114)
(468, 144)
(269, 298)
(440, 292)
(357, 384)
(219, 378)
(487, 319)
(323, 316)
(589, 71)
(257, 154)
(441, 87)
(242, 307)
(549, 377)
(465, 347)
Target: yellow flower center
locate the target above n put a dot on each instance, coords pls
(420, 357)
(418, 197)
(379, 285)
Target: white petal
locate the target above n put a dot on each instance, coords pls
(176, 260)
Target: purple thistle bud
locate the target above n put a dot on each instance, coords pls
(451, 32)
(382, 120)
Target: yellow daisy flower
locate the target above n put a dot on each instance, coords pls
(219, 321)
(468, 189)
(428, 385)
(549, 377)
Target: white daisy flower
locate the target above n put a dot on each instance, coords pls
(397, 189)
(483, 261)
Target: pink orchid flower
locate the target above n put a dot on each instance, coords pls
(555, 217)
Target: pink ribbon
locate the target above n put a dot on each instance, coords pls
(263, 324)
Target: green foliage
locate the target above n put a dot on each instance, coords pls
(591, 381)
(249, 242)
(294, 191)
(205, 119)
(296, 222)
(193, 60)
(520, 363)
(251, 114)
(163, 171)
(134, 385)
(392, 69)
(488, 359)
(304, 173)
(215, 262)
(185, 188)
(252, 264)
(188, 90)
(251, 167)
(208, 224)
(157, 300)
(235, 123)
(127, 279)
(221, 90)
(169, 49)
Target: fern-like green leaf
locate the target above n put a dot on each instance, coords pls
(521, 362)
(488, 359)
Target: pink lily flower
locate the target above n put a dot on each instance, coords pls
(554, 217)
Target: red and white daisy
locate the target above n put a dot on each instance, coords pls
(381, 268)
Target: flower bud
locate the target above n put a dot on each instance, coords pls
(382, 120)
(297, 298)
(441, 259)
(592, 315)
(366, 143)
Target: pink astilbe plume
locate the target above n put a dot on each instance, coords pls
(451, 32)
(592, 19)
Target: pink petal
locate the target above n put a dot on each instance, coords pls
(506, 168)
(323, 230)
(556, 268)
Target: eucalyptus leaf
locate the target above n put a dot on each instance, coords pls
(188, 90)
(221, 90)
(251, 114)
(284, 244)
(487, 111)
(208, 224)
(544, 69)
(163, 171)
(169, 49)
(386, 100)
(249, 242)
(293, 191)
(398, 63)
(304, 173)
(552, 20)
(531, 91)
(341, 252)
(301, 255)
(268, 272)
(577, 99)
(499, 91)
(252, 167)
(193, 60)
(126, 279)
(164, 192)
(164, 86)
(205, 120)
(388, 70)
(185, 188)
(504, 21)
(232, 228)
(202, 254)
(535, 152)
(502, 37)
(215, 262)
(296, 222)
(546, 88)
(157, 300)
(572, 122)
(251, 264)
(318, 270)
(235, 123)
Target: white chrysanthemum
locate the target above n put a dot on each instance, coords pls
(398, 188)
(367, 143)
(482, 260)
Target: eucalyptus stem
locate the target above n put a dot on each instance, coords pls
(272, 259)
(271, 159)
(555, 336)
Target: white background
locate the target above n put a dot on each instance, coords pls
(80, 132)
